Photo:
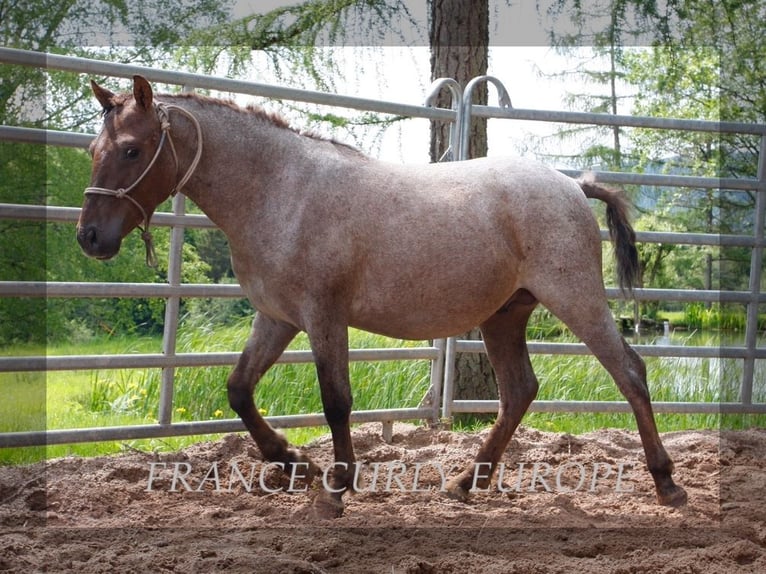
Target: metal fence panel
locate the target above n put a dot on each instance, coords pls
(439, 402)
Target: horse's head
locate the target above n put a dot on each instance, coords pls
(134, 170)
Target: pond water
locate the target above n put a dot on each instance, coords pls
(713, 378)
(693, 338)
(705, 379)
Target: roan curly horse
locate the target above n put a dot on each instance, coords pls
(323, 238)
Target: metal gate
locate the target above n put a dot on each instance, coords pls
(439, 403)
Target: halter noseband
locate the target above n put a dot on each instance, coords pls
(163, 112)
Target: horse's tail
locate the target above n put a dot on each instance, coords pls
(620, 230)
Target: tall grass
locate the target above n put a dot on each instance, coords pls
(78, 399)
(670, 379)
(714, 316)
(200, 393)
(116, 397)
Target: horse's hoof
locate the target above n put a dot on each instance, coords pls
(457, 492)
(327, 507)
(675, 497)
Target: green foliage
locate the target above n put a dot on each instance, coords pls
(679, 85)
(704, 64)
(714, 316)
(686, 84)
(78, 399)
(213, 248)
(22, 243)
(40, 251)
(200, 393)
(32, 174)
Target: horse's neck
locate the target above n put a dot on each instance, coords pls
(240, 152)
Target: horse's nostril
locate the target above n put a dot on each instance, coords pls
(86, 237)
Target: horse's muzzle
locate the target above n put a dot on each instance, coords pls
(97, 244)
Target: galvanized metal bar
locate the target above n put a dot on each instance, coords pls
(465, 118)
(602, 119)
(160, 219)
(99, 67)
(71, 214)
(45, 137)
(437, 379)
(463, 123)
(159, 361)
(99, 434)
(689, 181)
(104, 68)
(50, 213)
(615, 407)
(74, 139)
(70, 436)
(38, 363)
(684, 295)
(539, 348)
(55, 289)
(172, 307)
(93, 289)
(448, 389)
(675, 238)
(756, 271)
(453, 151)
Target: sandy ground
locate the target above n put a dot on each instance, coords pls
(217, 507)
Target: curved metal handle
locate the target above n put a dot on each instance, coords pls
(465, 128)
(453, 150)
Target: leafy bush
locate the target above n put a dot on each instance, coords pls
(714, 316)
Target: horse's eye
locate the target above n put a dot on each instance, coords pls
(131, 153)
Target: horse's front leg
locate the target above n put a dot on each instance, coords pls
(267, 341)
(329, 343)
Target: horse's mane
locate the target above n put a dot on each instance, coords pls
(257, 112)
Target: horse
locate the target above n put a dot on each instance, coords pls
(324, 238)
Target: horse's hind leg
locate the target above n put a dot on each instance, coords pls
(505, 341)
(267, 341)
(589, 318)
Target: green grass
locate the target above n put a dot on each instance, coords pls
(715, 317)
(79, 399)
(582, 378)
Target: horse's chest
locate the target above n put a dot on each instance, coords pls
(267, 288)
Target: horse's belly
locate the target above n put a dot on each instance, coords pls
(432, 328)
(424, 313)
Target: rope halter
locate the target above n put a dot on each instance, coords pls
(163, 113)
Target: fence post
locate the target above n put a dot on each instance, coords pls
(756, 269)
(443, 376)
(463, 121)
(172, 307)
(449, 380)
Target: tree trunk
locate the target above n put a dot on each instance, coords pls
(459, 36)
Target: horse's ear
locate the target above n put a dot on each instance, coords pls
(142, 92)
(104, 96)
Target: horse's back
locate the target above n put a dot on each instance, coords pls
(446, 245)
